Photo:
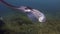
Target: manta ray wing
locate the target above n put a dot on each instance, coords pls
(32, 17)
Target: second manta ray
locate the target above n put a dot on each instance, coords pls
(33, 14)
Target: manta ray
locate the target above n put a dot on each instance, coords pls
(33, 14)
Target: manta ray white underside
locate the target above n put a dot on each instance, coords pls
(33, 14)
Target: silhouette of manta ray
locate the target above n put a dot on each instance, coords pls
(33, 14)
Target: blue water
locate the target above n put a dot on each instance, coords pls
(51, 8)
